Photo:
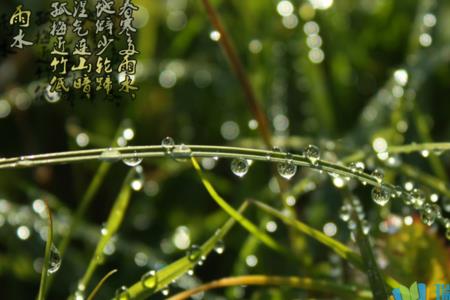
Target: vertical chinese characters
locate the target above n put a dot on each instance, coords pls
(104, 30)
(127, 68)
(58, 29)
(20, 18)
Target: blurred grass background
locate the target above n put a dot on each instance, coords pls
(321, 75)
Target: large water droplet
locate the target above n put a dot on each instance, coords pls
(239, 167)
(312, 153)
(380, 195)
(150, 280)
(55, 260)
(287, 169)
(194, 252)
(122, 293)
(181, 153)
(417, 198)
(168, 143)
(219, 247)
(379, 175)
(110, 155)
(133, 161)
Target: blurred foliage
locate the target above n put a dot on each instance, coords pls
(187, 91)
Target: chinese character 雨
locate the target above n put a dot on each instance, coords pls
(20, 17)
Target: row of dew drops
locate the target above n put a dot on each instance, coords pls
(381, 195)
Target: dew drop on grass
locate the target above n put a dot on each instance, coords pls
(312, 153)
(429, 213)
(79, 295)
(417, 198)
(165, 291)
(352, 225)
(344, 212)
(137, 182)
(168, 143)
(181, 153)
(239, 167)
(133, 161)
(190, 272)
(287, 169)
(379, 175)
(55, 260)
(380, 195)
(194, 252)
(150, 280)
(446, 204)
(365, 226)
(357, 167)
(219, 248)
(122, 293)
(110, 155)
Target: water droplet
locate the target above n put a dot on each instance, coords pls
(51, 96)
(110, 155)
(379, 175)
(219, 247)
(417, 198)
(365, 225)
(446, 204)
(287, 169)
(357, 167)
(312, 153)
(122, 293)
(239, 167)
(345, 212)
(194, 252)
(137, 182)
(79, 295)
(165, 291)
(428, 214)
(55, 260)
(380, 195)
(104, 230)
(352, 225)
(190, 272)
(447, 233)
(168, 143)
(181, 153)
(150, 280)
(133, 161)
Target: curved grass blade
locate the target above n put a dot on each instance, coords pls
(48, 250)
(309, 284)
(112, 225)
(180, 267)
(244, 222)
(339, 248)
(99, 285)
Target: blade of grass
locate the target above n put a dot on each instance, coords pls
(112, 225)
(48, 250)
(243, 221)
(180, 267)
(339, 248)
(99, 285)
(310, 284)
(370, 265)
(238, 68)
